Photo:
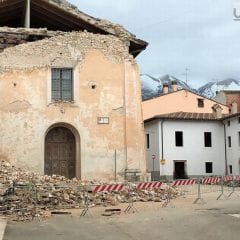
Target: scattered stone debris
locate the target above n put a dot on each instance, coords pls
(25, 195)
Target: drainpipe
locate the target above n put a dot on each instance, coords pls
(225, 149)
(125, 116)
(162, 147)
(27, 14)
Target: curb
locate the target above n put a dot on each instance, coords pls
(3, 224)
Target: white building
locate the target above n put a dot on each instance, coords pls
(189, 136)
(182, 145)
(232, 136)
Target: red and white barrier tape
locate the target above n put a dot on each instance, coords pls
(184, 182)
(146, 185)
(109, 188)
(229, 178)
(211, 180)
(237, 178)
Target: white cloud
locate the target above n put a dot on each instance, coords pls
(198, 34)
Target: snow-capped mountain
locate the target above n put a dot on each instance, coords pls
(152, 86)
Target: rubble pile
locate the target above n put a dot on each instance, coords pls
(25, 195)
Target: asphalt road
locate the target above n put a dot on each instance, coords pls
(217, 220)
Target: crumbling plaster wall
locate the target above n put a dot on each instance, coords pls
(27, 111)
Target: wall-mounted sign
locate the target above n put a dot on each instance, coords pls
(103, 120)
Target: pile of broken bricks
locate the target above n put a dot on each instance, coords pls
(25, 195)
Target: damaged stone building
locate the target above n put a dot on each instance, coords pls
(70, 92)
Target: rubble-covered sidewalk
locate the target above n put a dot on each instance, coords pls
(25, 195)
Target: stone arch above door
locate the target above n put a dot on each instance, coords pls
(60, 152)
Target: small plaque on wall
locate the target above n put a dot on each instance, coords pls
(103, 120)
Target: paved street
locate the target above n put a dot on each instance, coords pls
(215, 220)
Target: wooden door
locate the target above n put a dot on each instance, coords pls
(60, 153)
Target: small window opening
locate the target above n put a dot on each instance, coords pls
(200, 103)
(229, 141)
(239, 139)
(179, 139)
(209, 167)
(148, 140)
(207, 139)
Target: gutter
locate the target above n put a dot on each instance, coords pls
(162, 147)
(225, 149)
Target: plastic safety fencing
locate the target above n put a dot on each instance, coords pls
(156, 191)
(26, 199)
(63, 197)
(210, 184)
(185, 186)
(232, 185)
(221, 186)
(11, 196)
(226, 186)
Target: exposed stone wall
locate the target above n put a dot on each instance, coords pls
(62, 50)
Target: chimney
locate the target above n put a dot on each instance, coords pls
(165, 88)
(234, 108)
(174, 86)
(217, 111)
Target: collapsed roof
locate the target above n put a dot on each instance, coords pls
(59, 15)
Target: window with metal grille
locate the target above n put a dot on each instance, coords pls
(62, 84)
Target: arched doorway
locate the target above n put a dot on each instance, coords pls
(60, 152)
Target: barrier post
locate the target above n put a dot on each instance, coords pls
(233, 189)
(168, 201)
(36, 215)
(199, 197)
(130, 201)
(86, 210)
(222, 190)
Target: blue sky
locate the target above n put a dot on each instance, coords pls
(200, 35)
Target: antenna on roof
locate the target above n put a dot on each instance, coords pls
(216, 80)
(186, 74)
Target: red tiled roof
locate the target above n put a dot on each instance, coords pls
(189, 116)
